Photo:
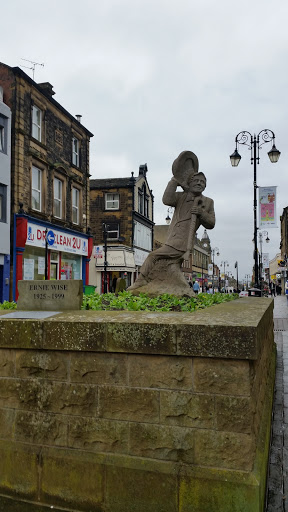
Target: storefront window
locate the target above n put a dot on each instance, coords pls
(70, 266)
(33, 263)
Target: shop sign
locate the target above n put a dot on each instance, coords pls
(98, 251)
(140, 256)
(57, 240)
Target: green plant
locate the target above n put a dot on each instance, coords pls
(126, 301)
(8, 305)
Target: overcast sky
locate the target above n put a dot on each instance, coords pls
(152, 78)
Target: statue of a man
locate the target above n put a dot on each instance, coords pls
(192, 209)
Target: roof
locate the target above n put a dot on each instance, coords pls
(111, 183)
(19, 72)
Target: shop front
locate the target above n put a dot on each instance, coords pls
(43, 251)
(120, 264)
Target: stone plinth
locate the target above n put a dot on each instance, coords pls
(50, 295)
(166, 412)
(166, 276)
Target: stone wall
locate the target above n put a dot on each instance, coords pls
(138, 411)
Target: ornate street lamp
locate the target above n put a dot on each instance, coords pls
(254, 143)
(224, 263)
(168, 218)
(213, 254)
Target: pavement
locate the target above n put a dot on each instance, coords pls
(277, 484)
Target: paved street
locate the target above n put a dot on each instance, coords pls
(278, 466)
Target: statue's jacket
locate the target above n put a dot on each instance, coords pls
(183, 201)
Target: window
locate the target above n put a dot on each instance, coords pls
(57, 198)
(2, 138)
(36, 123)
(3, 131)
(112, 201)
(75, 205)
(143, 202)
(36, 188)
(75, 152)
(3, 202)
(112, 231)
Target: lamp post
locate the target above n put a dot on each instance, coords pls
(105, 228)
(236, 266)
(213, 254)
(267, 240)
(254, 143)
(224, 263)
(247, 276)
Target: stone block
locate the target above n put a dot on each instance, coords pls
(7, 363)
(44, 364)
(225, 377)
(98, 368)
(7, 417)
(9, 393)
(70, 332)
(160, 372)
(19, 469)
(161, 442)
(50, 295)
(129, 404)
(224, 450)
(234, 414)
(206, 494)
(20, 333)
(206, 340)
(72, 480)
(39, 428)
(144, 337)
(130, 490)
(99, 435)
(185, 409)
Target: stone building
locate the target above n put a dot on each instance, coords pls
(49, 182)
(121, 219)
(5, 178)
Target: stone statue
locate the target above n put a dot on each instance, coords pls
(161, 271)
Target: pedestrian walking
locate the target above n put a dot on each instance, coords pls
(196, 287)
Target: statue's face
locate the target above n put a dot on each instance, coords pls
(197, 184)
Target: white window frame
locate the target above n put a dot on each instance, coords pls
(37, 189)
(112, 201)
(75, 151)
(58, 201)
(3, 203)
(2, 139)
(36, 123)
(75, 205)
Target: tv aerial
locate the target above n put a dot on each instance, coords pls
(34, 64)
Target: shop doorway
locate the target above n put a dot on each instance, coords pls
(54, 265)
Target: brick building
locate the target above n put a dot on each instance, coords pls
(5, 193)
(49, 182)
(121, 210)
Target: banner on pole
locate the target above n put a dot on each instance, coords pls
(210, 269)
(267, 207)
(265, 260)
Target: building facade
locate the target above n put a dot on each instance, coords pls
(121, 220)
(49, 183)
(5, 193)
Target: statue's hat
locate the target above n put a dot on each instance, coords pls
(185, 165)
